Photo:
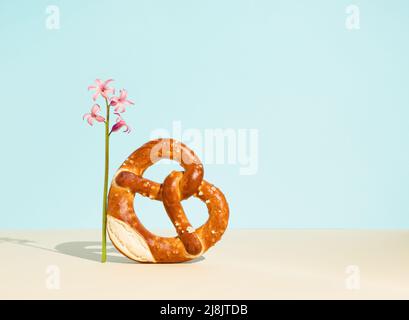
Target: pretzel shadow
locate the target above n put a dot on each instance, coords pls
(92, 251)
(88, 250)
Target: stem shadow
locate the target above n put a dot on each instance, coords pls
(91, 250)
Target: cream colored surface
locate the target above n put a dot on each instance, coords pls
(256, 264)
(128, 241)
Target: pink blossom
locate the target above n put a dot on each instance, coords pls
(101, 88)
(120, 102)
(119, 124)
(94, 115)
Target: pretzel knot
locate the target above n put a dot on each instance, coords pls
(129, 235)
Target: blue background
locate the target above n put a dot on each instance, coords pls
(330, 104)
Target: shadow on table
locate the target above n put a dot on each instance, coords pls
(92, 251)
(88, 250)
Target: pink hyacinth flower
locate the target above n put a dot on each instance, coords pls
(94, 115)
(101, 88)
(120, 102)
(119, 124)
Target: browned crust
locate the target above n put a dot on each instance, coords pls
(178, 186)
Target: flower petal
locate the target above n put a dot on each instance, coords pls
(117, 126)
(108, 81)
(95, 109)
(120, 108)
(99, 118)
(106, 92)
(114, 101)
(90, 120)
(123, 94)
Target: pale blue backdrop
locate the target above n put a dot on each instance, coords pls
(331, 106)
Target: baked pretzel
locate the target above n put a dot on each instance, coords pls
(129, 235)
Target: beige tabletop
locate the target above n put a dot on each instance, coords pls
(246, 264)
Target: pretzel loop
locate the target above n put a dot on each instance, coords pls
(129, 235)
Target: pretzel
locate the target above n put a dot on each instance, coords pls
(126, 231)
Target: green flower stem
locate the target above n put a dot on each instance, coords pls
(105, 200)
